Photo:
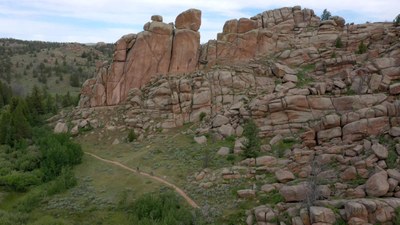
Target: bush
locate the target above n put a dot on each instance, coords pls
(391, 160)
(58, 151)
(30, 201)
(164, 208)
(362, 48)
(231, 158)
(280, 147)
(273, 197)
(338, 43)
(10, 218)
(252, 145)
(65, 181)
(397, 216)
(202, 116)
(132, 136)
(21, 181)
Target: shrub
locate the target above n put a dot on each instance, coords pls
(362, 48)
(397, 216)
(132, 136)
(231, 158)
(303, 78)
(63, 182)
(338, 43)
(252, 145)
(202, 116)
(280, 147)
(30, 201)
(21, 181)
(11, 218)
(164, 208)
(392, 158)
(58, 151)
(273, 197)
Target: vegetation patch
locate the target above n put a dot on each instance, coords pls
(279, 148)
(303, 78)
(272, 198)
(164, 208)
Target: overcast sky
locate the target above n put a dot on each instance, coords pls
(89, 21)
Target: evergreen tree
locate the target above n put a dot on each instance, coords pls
(74, 80)
(20, 125)
(35, 101)
(252, 146)
(50, 106)
(325, 15)
(396, 20)
(66, 100)
(5, 128)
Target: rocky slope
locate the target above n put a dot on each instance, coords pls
(331, 86)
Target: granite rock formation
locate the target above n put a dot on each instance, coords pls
(293, 75)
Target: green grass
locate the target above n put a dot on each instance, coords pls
(279, 148)
(391, 146)
(303, 78)
(357, 181)
(272, 198)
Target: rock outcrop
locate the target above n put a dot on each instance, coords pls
(160, 49)
(298, 78)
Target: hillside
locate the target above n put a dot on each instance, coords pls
(61, 67)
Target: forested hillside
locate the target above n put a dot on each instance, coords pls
(60, 67)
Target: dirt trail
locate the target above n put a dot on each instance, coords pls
(177, 189)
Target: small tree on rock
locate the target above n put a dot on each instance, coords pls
(252, 146)
(396, 20)
(325, 15)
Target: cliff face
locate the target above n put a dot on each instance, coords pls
(294, 35)
(160, 49)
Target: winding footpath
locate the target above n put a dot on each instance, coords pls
(159, 179)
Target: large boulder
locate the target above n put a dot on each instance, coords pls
(190, 19)
(380, 151)
(356, 210)
(377, 185)
(220, 120)
(226, 130)
(284, 176)
(295, 193)
(322, 215)
(61, 128)
(246, 193)
(266, 160)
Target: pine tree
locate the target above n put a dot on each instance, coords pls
(5, 128)
(74, 80)
(252, 146)
(20, 125)
(35, 101)
(325, 15)
(67, 100)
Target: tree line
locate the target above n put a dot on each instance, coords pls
(30, 154)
